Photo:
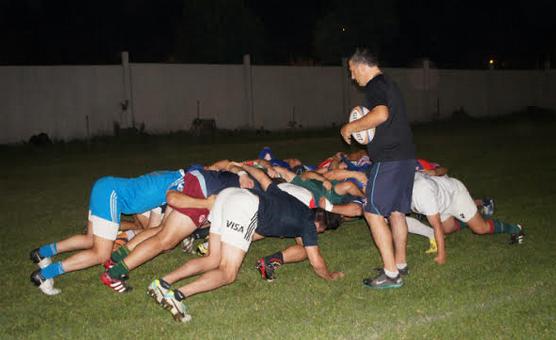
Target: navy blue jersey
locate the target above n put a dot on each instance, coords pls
(282, 215)
(212, 182)
(393, 139)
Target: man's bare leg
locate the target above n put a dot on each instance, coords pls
(398, 224)
(383, 240)
(198, 265)
(226, 273)
(176, 227)
(100, 252)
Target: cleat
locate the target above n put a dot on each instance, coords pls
(108, 264)
(118, 285)
(39, 260)
(177, 308)
(45, 285)
(383, 281)
(202, 249)
(487, 210)
(157, 289)
(433, 248)
(187, 244)
(518, 238)
(267, 270)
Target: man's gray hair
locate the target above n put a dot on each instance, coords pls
(364, 56)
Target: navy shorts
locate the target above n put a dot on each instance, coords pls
(389, 187)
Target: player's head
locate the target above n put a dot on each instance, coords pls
(325, 220)
(363, 65)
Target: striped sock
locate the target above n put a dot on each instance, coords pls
(497, 226)
(48, 250)
(120, 254)
(52, 270)
(118, 270)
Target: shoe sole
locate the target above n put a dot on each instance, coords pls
(152, 292)
(176, 314)
(388, 286)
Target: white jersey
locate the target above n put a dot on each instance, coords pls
(442, 195)
(302, 194)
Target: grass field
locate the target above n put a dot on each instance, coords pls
(488, 289)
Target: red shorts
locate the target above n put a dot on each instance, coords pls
(192, 188)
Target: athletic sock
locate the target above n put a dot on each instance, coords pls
(497, 226)
(48, 250)
(401, 266)
(164, 284)
(118, 270)
(53, 270)
(130, 234)
(390, 274)
(120, 254)
(179, 295)
(275, 258)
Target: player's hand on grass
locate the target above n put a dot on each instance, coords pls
(336, 275)
(440, 259)
(345, 131)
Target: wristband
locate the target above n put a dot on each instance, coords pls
(241, 173)
(328, 206)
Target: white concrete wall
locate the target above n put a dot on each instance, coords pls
(310, 96)
(164, 97)
(57, 100)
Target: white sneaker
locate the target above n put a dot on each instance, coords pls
(45, 285)
(48, 288)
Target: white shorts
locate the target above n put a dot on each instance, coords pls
(157, 210)
(104, 228)
(462, 207)
(234, 217)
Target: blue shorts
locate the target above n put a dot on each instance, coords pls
(389, 187)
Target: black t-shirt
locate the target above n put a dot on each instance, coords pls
(216, 181)
(393, 139)
(282, 215)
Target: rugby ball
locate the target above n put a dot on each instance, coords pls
(362, 137)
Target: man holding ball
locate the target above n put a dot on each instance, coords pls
(392, 151)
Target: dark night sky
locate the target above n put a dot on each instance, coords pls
(452, 33)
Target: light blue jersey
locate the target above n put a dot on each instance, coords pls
(113, 196)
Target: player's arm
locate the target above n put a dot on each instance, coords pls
(258, 175)
(180, 200)
(284, 173)
(245, 181)
(436, 223)
(341, 174)
(350, 209)
(319, 265)
(220, 165)
(378, 115)
(307, 175)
